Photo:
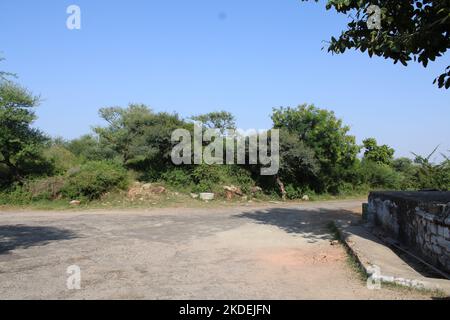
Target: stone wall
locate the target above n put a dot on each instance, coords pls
(419, 220)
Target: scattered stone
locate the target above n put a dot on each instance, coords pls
(75, 202)
(147, 186)
(305, 197)
(194, 195)
(334, 242)
(256, 189)
(205, 196)
(231, 191)
(157, 190)
(147, 190)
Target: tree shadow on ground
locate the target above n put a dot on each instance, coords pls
(313, 225)
(309, 223)
(22, 236)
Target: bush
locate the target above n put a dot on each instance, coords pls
(212, 178)
(95, 178)
(44, 188)
(61, 158)
(178, 178)
(15, 195)
(378, 175)
(293, 192)
(207, 178)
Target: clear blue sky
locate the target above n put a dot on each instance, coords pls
(202, 55)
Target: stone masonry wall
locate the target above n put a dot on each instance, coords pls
(419, 220)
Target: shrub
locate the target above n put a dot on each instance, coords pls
(293, 192)
(212, 178)
(380, 175)
(95, 178)
(177, 177)
(432, 176)
(15, 195)
(45, 188)
(207, 178)
(61, 158)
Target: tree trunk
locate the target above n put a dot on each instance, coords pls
(282, 189)
(13, 169)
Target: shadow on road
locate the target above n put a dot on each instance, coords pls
(22, 236)
(311, 224)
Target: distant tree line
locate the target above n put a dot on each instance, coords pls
(317, 155)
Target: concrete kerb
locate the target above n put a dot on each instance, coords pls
(352, 239)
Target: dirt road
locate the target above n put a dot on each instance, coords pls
(278, 252)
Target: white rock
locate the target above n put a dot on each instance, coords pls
(206, 196)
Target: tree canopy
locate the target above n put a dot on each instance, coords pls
(319, 129)
(140, 136)
(20, 144)
(379, 154)
(220, 120)
(416, 30)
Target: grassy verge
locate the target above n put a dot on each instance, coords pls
(351, 260)
(172, 198)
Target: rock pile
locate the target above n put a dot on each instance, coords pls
(145, 191)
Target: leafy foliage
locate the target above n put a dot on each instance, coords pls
(141, 137)
(93, 179)
(379, 154)
(430, 175)
(298, 164)
(20, 144)
(379, 175)
(410, 30)
(317, 155)
(89, 148)
(334, 149)
(220, 120)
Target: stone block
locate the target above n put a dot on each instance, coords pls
(437, 249)
(443, 242)
(432, 228)
(443, 231)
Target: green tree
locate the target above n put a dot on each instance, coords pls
(298, 164)
(20, 144)
(5, 75)
(140, 136)
(410, 30)
(380, 175)
(90, 148)
(379, 154)
(220, 120)
(320, 130)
